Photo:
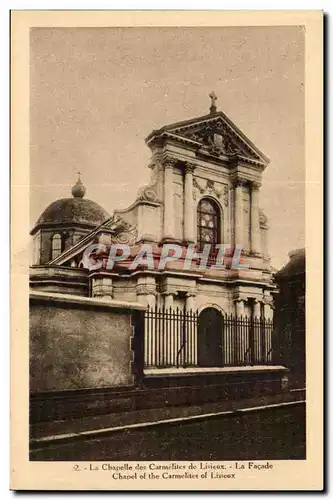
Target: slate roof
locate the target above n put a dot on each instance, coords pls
(72, 210)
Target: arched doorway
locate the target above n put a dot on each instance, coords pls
(209, 343)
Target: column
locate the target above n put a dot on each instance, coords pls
(257, 309)
(168, 301)
(239, 230)
(190, 300)
(149, 337)
(238, 341)
(101, 287)
(240, 310)
(268, 305)
(168, 200)
(140, 229)
(268, 314)
(232, 337)
(190, 351)
(167, 339)
(146, 295)
(255, 225)
(151, 300)
(268, 311)
(188, 204)
(257, 332)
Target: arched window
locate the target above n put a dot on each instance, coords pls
(56, 246)
(208, 223)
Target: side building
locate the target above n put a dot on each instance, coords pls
(290, 315)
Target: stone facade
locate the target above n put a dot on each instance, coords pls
(207, 158)
(166, 211)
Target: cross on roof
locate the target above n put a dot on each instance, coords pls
(214, 98)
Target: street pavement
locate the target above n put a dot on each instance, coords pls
(270, 434)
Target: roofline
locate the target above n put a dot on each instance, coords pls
(80, 244)
(208, 117)
(69, 224)
(92, 225)
(165, 128)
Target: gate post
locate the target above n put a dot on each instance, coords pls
(191, 328)
(138, 349)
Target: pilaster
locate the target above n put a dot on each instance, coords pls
(239, 211)
(188, 204)
(257, 308)
(168, 299)
(255, 223)
(240, 307)
(190, 300)
(146, 293)
(268, 306)
(101, 286)
(168, 218)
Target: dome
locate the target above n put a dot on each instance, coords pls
(76, 210)
(73, 210)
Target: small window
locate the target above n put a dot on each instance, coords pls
(208, 223)
(56, 246)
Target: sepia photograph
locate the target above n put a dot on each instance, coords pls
(167, 275)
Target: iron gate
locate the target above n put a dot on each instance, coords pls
(180, 338)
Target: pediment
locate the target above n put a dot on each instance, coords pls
(215, 135)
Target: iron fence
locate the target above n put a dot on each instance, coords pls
(247, 341)
(170, 337)
(173, 337)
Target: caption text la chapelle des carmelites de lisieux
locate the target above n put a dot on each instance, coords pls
(129, 471)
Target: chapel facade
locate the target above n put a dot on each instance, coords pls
(205, 185)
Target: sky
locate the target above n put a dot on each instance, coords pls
(96, 93)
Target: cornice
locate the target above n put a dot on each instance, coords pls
(174, 131)
(200, 151)
(52, 226)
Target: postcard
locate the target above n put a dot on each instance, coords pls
(167, 222)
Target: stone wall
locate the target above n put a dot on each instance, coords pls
(78, 343)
